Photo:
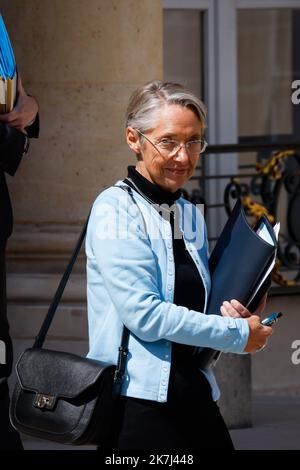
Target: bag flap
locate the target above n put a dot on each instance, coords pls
(56, 373)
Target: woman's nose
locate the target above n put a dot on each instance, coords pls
(182, 154)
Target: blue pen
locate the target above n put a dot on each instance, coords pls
(271, 319)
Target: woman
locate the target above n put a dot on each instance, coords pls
(148, 269)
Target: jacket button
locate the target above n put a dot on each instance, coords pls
(169, 287)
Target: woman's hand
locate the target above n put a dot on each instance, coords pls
(258, 335)
(235, 309)
(24, 113)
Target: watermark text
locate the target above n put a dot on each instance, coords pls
(296, 93)
(296, 354)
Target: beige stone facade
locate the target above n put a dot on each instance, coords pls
(82, 59)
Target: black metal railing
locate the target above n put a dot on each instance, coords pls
(270, 186)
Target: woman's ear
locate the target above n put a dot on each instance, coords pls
(133, 140)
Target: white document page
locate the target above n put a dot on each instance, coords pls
(263, 232)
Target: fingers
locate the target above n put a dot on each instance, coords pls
(11, 120)
(263, 343)
(227, 310)
(268, 330)
(264, 330)
(23, 113)
(230, 310)
(8, 118)
(258, 335)
(5, 117)
(224, 311)
(234, 309)
(243, 311)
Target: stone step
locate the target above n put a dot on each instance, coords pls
(70, 320)
(38, 287)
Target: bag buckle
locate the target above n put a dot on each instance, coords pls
(43, 401)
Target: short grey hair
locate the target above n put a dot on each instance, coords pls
(147, 100)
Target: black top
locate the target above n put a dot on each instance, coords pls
(12, 148)
(13, 145)
(189, 289)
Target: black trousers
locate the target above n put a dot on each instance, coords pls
(6, 343)
(9, 438)
(189, 421)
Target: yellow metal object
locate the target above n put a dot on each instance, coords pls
(279, 278)
(272, 165)
(272, 169)
(255, 209)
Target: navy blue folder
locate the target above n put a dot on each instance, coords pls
(237, 264)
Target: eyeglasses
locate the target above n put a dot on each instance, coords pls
(169, 147)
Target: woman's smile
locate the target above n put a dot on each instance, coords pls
(177, 171)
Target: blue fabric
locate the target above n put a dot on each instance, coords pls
(130, 274)
(7, 59)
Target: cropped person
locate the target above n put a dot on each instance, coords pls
(15, 129)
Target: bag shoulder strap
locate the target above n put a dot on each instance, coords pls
(41, 336)
(128, 188)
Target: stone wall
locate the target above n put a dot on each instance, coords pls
(273, 371)
(81, 59)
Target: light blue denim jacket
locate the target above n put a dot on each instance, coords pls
(130, 280)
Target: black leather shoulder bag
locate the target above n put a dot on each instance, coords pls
(63, 397)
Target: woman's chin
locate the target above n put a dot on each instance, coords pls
(175, 181)
(172, 184)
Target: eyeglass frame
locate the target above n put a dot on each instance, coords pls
(171, 154)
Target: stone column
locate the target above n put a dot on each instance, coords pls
(233, 373)
(81, 59)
